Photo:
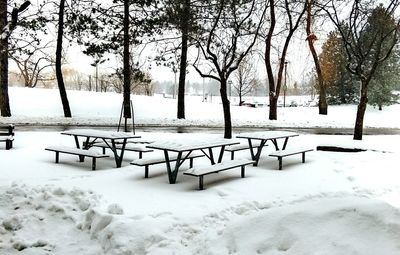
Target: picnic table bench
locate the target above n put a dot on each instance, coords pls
(262, 137)
(289, 152)
(187, 146)
(7, 135)
(242, 146)
(218, 167)
(110, 138)
(128, 147)
(76, 151)
(154, 161)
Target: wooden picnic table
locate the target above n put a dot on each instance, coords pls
(110, 138)
(263, 137)
(185, 147)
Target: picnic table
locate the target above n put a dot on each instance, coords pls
(263, 137)
(184, 148)
(110, 138)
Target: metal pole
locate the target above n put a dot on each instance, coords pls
(285, 86)
(97, 74)
(173, 95)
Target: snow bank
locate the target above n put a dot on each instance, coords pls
(43, 220)
(50, 220)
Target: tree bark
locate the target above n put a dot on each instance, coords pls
(127, 69)
(273, 105)
(322, 104)
(4, 99)
(226, 108)
(362, 106)
(183, 60)
(59, 75)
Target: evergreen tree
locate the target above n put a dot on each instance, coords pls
(341, 85)
(369, 36)
(385, 82)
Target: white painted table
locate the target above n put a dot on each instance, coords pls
(110, 138)
(185, 147)
(263, 137)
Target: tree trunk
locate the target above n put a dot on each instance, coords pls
(4, 99)
(59, 75)
(322, 104)
(362, 106)
(183, 61)
(273, 107)
(127, 69)
(227, 109)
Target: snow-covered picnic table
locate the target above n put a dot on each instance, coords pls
(110, 138)
(185, 147)
(263, 137)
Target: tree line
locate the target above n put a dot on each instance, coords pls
(217, 38)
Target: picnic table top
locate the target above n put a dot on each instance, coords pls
(189, 145)
(267, 135)
(99, 134)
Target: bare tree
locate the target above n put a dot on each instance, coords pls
(32, 62)
(59, 49)
(6, 28)
(369, 36)
(245, 77)
(311, 37)
(234, 27)
(289, 19)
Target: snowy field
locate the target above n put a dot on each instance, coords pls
(335, 203)
(43, 106)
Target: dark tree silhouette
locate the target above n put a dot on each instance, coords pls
(369, 36)
(59, 48)
(6, 28)
(292, 15)
(233, 31)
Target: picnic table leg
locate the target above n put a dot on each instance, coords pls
(57, 156)
(275, 144)
(121, 155)
(210, 151)
(8, 144)
(280, 163)
(77, 142)
(256, 156)
(303, 157)
(113, 147)
(221, 154)
(94, 164)
(81, 158)
(251, 149)
(201, 182)
(242, 171)
(285, 143)
(172, 174)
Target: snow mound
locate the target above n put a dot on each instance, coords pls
(328, 226)
(44, 220)
(50, 220)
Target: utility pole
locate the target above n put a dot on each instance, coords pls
(97, 74)
(285, 86)
(90, 83)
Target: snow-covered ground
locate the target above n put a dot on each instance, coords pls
(335, 203)
(43, 106)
